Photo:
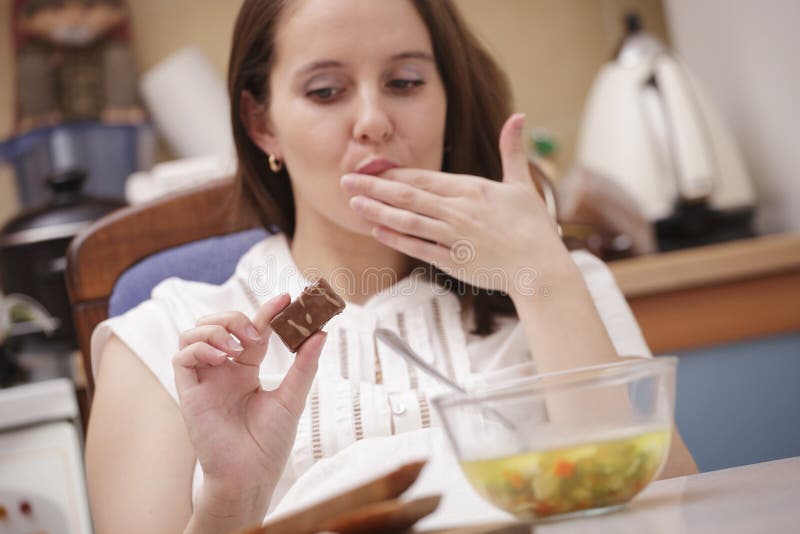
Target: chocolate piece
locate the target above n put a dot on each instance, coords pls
(309, 312)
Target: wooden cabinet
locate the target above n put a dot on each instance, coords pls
(715, 294)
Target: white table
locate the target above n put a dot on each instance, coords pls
(758, 498)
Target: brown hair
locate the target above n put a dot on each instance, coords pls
(478, 102)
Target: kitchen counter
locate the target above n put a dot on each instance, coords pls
(750, 499)
(714, 294)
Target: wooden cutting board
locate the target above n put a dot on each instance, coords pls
(489, 528)
(375, 507)
(385, 489)
(385, 516)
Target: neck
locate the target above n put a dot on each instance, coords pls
(357, 266)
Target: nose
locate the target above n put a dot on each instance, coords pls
(373, 125)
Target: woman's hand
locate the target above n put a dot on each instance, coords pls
(492, 235)
(241, 433)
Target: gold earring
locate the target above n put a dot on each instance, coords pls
(275, 165)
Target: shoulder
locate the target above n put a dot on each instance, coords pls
(152, 328)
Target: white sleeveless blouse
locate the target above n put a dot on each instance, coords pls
(362, 390)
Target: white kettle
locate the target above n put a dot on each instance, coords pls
(648, 126)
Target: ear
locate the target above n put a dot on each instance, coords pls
(255, 119)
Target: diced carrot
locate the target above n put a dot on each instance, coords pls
(564, 468)
(543, 508)
(514, 478)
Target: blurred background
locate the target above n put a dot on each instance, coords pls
(532, 39)
(665, 130)
(552, 52)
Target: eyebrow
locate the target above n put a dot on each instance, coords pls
(330, 63)
(413, 55)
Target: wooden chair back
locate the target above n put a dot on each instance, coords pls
(99, 255)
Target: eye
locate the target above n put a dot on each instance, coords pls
(405, 84)
(323, 93)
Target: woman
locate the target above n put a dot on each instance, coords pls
(367, 131)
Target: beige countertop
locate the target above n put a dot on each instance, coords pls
(757, 498)
(750, 499)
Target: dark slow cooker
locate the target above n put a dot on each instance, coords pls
(33, 245)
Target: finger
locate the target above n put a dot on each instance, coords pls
(267, 311)
(396, 193)
(187, 360)
(432, 253)
(512, 151)
(235, 322)
(215, 335)
(403, 221)
(439, 183)
(254, 354)
(298, 380)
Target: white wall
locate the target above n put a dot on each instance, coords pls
(745, 52)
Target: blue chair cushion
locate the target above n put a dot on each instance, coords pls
(212, 260)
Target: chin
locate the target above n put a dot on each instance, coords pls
(352, 223)
(360, 227)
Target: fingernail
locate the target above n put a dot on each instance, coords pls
(322, 343)
(520, 121)
(233, 345)
(357, 202)
(348, 181)
(252, 333)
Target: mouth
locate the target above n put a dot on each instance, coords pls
(376, 166)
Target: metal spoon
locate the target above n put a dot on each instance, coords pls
(397, 344)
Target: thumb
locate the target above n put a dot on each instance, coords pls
(297, 382)
(255, 353)
(512, 151)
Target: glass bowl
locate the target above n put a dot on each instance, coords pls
(573, 443)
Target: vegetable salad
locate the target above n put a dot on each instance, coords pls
(603, 473)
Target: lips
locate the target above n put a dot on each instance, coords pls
(376, 166)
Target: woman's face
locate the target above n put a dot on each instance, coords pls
(353, 81)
